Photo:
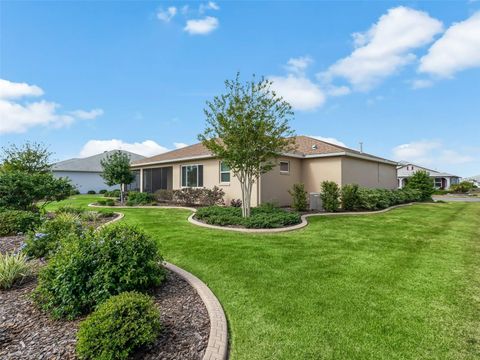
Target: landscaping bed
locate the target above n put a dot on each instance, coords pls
(28, 333)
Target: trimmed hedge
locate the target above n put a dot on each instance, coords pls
(118, 327)
(13, 222)
(88, 269)
(114, 193)
(106, 202)
(262, 217)
(139, 198)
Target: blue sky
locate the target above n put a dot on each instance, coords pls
(401, 77)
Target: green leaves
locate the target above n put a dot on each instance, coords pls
(116, 169)
(421, 181)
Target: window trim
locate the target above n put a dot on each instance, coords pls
(198, 176)
(229, 172)
(280, 166)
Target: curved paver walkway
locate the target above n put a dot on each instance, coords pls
(217, 346)
(303, 223)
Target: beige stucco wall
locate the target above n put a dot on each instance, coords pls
(368, 174)
(211, 178)
(274, 185)
(316, 170)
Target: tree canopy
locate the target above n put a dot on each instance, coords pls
(116, 170)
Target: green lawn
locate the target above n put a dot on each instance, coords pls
(399, 285)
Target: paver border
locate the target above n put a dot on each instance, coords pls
(217, 346)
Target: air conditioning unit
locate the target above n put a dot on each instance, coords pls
(315, 201)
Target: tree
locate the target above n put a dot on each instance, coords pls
(116, 171)
(247, 127)
(421, 180)
(28, 158)
(26, 180)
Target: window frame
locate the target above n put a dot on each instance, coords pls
(229, 172)
(280, 166)
(198, 176)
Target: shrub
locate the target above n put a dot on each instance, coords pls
(187, 196)
(266, 216)
(114, 193)
(90, 268)
(103, 191)
(421, 180)
(330, 195)
(350, 197)
(68, 209)
(139, 198)
(299, 197)
(210, 197)
(106, 202)
(46, 239)
(91, 192)
(75, 192)
(236, 203)
(13, 269)
(163, 195)
(13, 222)
(118, 327)
(462, 187)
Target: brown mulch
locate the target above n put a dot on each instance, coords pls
(28, 333)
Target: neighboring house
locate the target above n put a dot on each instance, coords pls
(85, 173)
(441, 180)
(475, 180)
(313, 162)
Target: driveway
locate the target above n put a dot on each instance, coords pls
(456, 198)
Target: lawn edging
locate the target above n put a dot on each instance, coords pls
(217, 346)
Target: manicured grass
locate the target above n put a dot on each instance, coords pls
(399, 285)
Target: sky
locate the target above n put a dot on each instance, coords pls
(403, 78)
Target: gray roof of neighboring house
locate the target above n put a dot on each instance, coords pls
(476, 178)
(91, 163)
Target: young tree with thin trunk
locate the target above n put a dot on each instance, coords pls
(247, 128)
(116, 171)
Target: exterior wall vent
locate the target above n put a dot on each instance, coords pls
(314, 146)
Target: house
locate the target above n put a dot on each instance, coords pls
(475, 180)
(313, 162)
(85, 173)
(441, 180)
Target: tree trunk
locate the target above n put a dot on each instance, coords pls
(122, 195)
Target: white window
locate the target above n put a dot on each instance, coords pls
(285, 167)
(224, 173)
(438, 183)
(192, 175)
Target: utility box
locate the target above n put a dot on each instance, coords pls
(315, 202)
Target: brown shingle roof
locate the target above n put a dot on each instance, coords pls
(305, 146)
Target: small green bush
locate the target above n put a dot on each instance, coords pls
(13, 222)
(114, 193)
(462, 187)
(299, 197)
(139, 198)
(103, 191)
(164, 196)
(350, 197)
(47, 238)
(68, 209)
(13, 269)
(330, 195)
(91, 192)
(89, 268)
(118, 327)
(421, 180)
(106, 202)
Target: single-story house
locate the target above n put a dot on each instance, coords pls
(475, 180)
(85, 173)
(441, 180)
(313, 162)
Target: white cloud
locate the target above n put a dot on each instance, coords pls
(385, 47)
(18, 116)
(456, 50)
(338, 90)
(208, 6)
(168, 14)
(146, 148)
(299, 91)
(421, 83)
(11, 90)
(429, 153)
(201, 26)
(179, 145)
(299, 65)
(87, 115)
(330, 140)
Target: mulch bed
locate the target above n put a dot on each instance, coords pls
(28, 333)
